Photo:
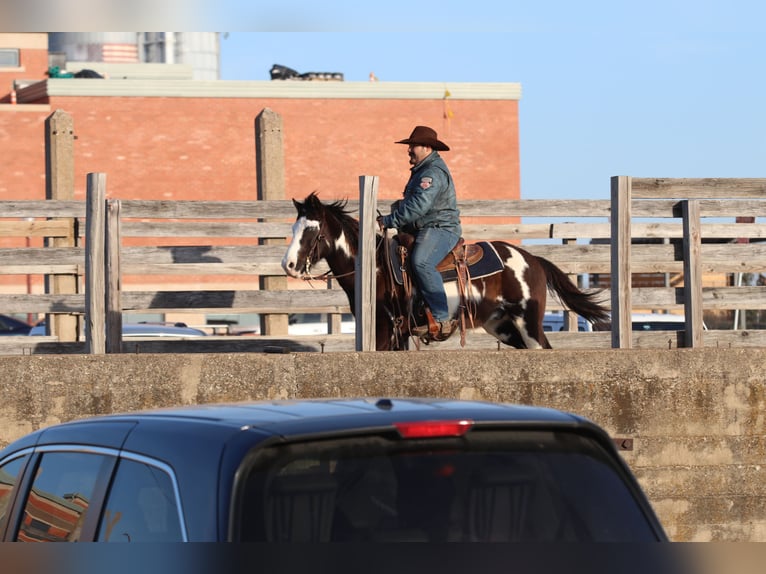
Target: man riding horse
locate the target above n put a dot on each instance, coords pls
(429, 212)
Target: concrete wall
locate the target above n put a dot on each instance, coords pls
(696, 417)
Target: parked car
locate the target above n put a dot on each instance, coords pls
(316, 324)
(12, 326)
(555, 322)
(653, 322)
(143, 330)
(334, 470)
(659, 322)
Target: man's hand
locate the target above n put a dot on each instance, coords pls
(380, 223)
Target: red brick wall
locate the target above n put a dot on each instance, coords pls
(186, 148)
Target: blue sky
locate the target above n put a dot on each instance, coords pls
(670, 88)
(651, 89)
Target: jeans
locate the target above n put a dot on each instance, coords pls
(431, 246)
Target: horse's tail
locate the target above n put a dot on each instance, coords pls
(584, 304)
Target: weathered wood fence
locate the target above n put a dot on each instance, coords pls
(105, 259)
(158, 240)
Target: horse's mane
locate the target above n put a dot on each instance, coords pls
(338, 211)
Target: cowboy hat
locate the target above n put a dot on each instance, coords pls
(423, 135)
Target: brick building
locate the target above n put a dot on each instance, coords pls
(160, 134)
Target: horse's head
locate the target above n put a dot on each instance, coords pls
(318, 232)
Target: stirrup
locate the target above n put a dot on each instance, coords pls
(446, 328)
(419, 330)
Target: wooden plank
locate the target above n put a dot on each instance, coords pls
(531, 208)
(283, 209)
(95, 288)
(33, 228)
(42, 303)
(40, 269)
(206, 229)
(113, 277)
(257, 209)
(699, 187)
(641, 208)
(692, 274)
(585, 231)
(270, 182)
(735, 339)
(732, 230)
(42, 256)
(297, 301)
(366, 267)
(732, 207)
(656, 258)
(203, 254)
(746, 297)
(45, 346)
(621, 265)
(713, 298)
(200, 269)
(255, 344)
(43, 208)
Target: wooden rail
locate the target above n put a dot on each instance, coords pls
(146, 245)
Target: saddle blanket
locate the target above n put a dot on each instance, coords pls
(488, 264)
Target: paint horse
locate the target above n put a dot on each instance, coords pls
(506, 289)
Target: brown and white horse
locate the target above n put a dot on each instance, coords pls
(509, 304)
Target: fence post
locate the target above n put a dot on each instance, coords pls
(570, 322)
(270, 176)
(364, 295)
(113, 274)
(622, 289)
(692, 272)
(95, 297)
(59, 185)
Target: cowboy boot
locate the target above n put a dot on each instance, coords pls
(446, 328)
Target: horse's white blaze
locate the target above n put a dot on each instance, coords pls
(290, 259)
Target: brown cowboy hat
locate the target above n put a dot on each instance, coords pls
(423, 135)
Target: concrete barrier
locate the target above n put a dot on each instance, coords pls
(694, 418)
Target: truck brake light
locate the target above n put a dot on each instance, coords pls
(426, 429)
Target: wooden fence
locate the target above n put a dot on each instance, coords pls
(674, 227)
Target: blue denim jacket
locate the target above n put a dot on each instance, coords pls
(429, 199)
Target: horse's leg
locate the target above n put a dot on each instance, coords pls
(389, 337)
(517, 297)
(516, 329)
(533, 320)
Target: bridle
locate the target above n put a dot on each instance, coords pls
(313, 256)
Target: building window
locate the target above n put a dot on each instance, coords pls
(9, 58)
